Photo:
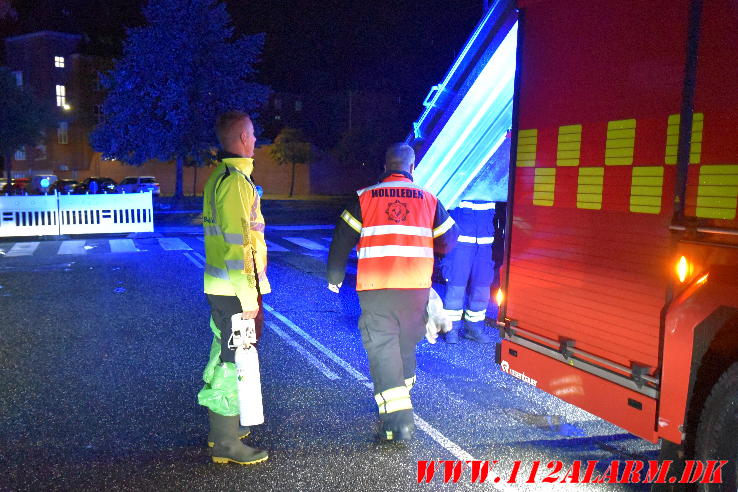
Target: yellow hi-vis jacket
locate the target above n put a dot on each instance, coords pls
(235, 250)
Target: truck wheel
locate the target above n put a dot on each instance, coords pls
(716, 433)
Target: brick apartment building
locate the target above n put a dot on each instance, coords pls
(50, 66)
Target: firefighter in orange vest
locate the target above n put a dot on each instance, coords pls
(398, 226)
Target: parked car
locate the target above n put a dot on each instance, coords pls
(95, 185)
(40, 184)
(64, 186)
(17, 186)
(139, 184)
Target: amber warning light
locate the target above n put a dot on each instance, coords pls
(682, 269)
(499, 297)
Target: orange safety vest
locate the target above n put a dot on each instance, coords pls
(396, 244)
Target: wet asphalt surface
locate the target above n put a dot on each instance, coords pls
(101, 356)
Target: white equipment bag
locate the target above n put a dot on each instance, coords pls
(243, 338)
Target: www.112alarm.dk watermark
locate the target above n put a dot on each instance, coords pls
(591, 471)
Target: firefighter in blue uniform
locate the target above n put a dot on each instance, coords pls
(469, 270)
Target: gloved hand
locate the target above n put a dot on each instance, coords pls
(335, 288)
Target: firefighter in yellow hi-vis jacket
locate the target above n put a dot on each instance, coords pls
(235, 278)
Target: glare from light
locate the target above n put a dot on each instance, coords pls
(475, 130)
(682, 268)
(702, 279)
(499, 297)
(67, 107)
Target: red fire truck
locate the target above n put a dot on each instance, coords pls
(620, 291)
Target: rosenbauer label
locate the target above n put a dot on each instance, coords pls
(505, 366)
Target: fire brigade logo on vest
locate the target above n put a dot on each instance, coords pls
(397, 211)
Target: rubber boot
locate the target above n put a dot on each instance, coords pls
(400, 427)
(243, 432)
(474, 331)
(453, 335)
(228, 448)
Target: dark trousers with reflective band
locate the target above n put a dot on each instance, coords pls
(221, 309)
(468, 266)
(392, 323)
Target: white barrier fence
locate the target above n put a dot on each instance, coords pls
(75, 214)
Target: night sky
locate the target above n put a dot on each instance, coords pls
(398, 47)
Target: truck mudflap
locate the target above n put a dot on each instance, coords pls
(632, 410)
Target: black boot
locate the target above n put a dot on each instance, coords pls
(474, 331)
(397, 427)
(243, 432)
(227, 444)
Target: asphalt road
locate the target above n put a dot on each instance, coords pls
(102, 346)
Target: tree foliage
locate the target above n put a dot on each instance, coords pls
(291, 147)
(23, 120)
(177, 73)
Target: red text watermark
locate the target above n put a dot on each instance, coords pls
(616, 471)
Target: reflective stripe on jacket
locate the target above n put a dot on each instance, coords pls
(235, 250)
(398, 226)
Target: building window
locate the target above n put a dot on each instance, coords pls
(298, 105)
(62, 133)
(99, 117)
(59, 61)
(20, 154)
(18, 78)
(61, 96)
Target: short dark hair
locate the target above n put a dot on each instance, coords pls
(399, 157)
(225, 123)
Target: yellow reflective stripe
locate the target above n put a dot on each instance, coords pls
(620, 142)
(527, 142)
(543, 186)
(717, 193)
(646, 189)
(394, 400)
(351, 221)
(443, 228)
(672, 139)
(410, 382)
(589, 186)
(569, 145)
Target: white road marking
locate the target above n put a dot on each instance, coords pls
(173, 244)
(310, 357)
(306, 243)
(317, 344)
(23, 249)
(275, 247)
(201, 239)
(194, 261)
(72, 248)
(434, 434)
(123, 246)
(299, 227)
(199, 257)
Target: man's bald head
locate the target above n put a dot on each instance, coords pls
(399, 157)
(235, 132)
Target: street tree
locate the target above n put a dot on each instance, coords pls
(23, 120)
(291, 147)
(177, 73)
